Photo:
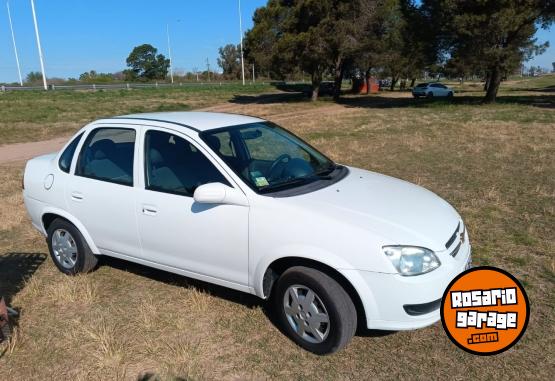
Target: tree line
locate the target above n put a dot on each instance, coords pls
(400, 39)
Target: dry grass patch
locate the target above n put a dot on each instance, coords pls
(124, 321)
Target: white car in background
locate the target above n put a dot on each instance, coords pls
(432, 90)
(240, 202)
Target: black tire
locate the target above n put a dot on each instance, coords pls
(450, 95)
(85, 261)
(338, 305)
(416, 96)
(430, 95)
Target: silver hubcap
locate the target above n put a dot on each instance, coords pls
(306, 313)
(64, 248)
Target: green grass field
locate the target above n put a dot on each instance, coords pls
(39, 115)
(494, 163)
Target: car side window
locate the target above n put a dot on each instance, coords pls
(173, 165)
(65, 158)
(107, 155)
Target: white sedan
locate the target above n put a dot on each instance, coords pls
(431, 90)
(240, 202)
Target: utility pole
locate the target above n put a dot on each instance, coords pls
(253, 73)
(169, 51)
(14, 45)
(208, 69)
(38, 45)
(241, 35)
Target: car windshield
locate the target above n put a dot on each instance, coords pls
(267, 157)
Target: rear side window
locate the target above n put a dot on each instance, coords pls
(173, 165)
(422, 85)
(107, 155)
(65, 159)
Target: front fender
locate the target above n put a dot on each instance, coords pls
(324, 257)
(74, 221)
(294, 251)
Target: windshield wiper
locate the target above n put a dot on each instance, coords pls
(286, 184)
(324, 173)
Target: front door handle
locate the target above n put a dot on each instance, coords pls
(150, 210)
(77, 196)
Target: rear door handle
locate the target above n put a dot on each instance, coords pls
(150, 210)
(77, 196)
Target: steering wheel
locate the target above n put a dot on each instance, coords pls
(277, 164)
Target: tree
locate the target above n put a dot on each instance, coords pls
(230, 60)
(314, 36)
(34, 77)
(93, 76)
(145, 64)
(493, 35)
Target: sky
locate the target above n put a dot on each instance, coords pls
(79, 35)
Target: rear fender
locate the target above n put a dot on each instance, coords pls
(74, 221)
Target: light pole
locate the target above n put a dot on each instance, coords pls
(241, 35)
(38, 45)
(14, 45)
(169, 51)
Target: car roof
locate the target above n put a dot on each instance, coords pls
(197, 120)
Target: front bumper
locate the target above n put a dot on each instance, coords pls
(395, 302)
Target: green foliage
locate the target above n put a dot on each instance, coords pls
(310, 35)
(490, 36)
(33, 77)
(145, 64)
(230, 61)
(94, 77)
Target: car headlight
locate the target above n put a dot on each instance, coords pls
(412, 260)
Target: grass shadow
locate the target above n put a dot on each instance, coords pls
(15, 270)
(381, 102)
(384, 101)
(286, 97)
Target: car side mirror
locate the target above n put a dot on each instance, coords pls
(218, 193)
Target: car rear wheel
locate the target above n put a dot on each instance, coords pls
(314, 310)
(450, 94)
(68, 248)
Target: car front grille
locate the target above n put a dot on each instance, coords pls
(453, 237)
(460, 234)
(456, 250)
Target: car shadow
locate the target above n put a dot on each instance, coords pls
(237, 297)
(248, 300)
(15, 270)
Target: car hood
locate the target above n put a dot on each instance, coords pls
(400, 212)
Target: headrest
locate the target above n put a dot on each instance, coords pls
(213, 142)
(102, 148)
(155, 156)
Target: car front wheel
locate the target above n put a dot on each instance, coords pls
(68, 248)
(314, 310)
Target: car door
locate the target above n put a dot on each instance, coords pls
(101, 192)
(205, 240)
(443, 90)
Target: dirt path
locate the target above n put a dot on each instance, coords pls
(25, 151)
